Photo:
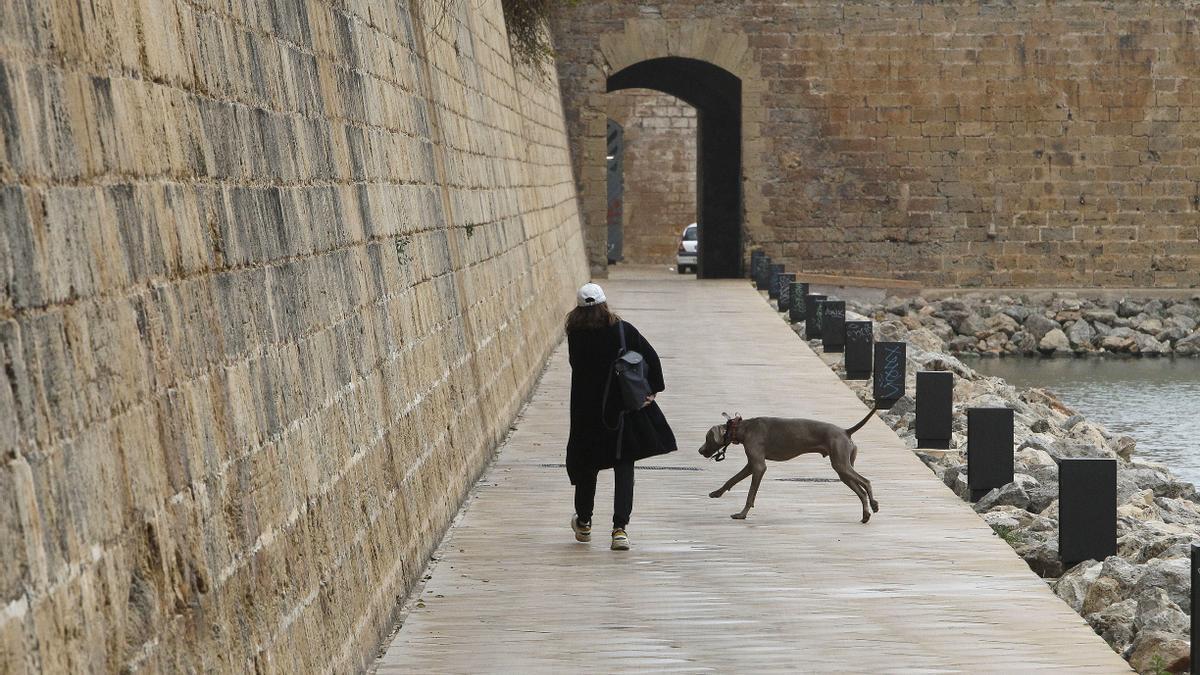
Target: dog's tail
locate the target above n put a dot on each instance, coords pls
(856, 427)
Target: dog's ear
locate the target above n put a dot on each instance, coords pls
(726, 416)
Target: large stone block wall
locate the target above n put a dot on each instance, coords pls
(276, 277)
(659, 172)
(964, 143)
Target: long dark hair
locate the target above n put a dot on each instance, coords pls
(591, 317)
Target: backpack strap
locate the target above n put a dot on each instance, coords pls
(620, 428)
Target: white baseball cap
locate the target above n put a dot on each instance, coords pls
(590, 295)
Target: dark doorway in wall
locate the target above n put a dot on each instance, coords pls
(716, 94)
(616, 192)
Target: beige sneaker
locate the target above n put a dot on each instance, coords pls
(620, 540)
(583, 531)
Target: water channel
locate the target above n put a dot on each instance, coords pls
(1156, 401)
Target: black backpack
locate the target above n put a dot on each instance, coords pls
(629, 371)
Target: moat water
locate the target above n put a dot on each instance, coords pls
(1155, 401)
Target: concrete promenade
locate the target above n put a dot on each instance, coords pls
(800, 586)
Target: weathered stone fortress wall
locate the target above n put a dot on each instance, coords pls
(275, 279)
(660, 172)
(956, 143)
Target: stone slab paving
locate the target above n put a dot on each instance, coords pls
(799, 586)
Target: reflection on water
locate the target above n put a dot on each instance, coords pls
(1156, 401)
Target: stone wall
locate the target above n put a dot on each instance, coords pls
(956, 143)
(276, 278)
(660, 172)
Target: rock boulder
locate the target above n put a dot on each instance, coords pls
(1038, 325)
(1181, 309)
(1189, 345)
(1153, 650)
(1081, 334)
(1055, 341)
(1149, 345)
(1173, 576)
(1014, 494)
(1073, 586)
(1002, 323)
(1118, 344)
(1100, 314)
(1115, 623)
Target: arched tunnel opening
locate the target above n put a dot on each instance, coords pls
(716, 94)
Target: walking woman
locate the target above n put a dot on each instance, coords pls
(602, 438)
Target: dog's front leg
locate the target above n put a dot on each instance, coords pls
(757, 469)
(737, 478)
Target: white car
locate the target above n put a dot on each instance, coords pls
(685, 257)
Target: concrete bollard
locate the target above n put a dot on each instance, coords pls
(785, 290)
(860, 343)
(773, 272)
(833, 326)
(935, 409)
(812, 329)
(1087, 509)
(796, 301)
(891, 364)
(989, 449)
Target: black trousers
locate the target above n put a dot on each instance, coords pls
(585, 495)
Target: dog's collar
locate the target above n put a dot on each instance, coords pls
(731, 437)
(731, 429)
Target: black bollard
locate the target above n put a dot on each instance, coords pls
(819, 318)
(891, 362)
(785, 290)
(1087, 509)
(1195, 668)
(755, 259)
(812, 329)
(833, 326)
(935, 408)
(860, 340)
(760, 277)
(796, 301)
(773, 272)
(989, 449)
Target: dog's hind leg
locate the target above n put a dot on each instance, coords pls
(758, 469)
(854, 481)
(737, 478)
(866, 486)
(864, 482)
(870, 493)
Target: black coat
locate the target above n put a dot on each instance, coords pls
(592, 446)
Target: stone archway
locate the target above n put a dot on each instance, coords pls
(716, 94)
(649, 51)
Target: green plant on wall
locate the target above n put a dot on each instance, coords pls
(528, 34)
(525, 20)
(402, 250)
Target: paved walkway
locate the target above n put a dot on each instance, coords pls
(799, 586)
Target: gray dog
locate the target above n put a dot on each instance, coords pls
(779, 439)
